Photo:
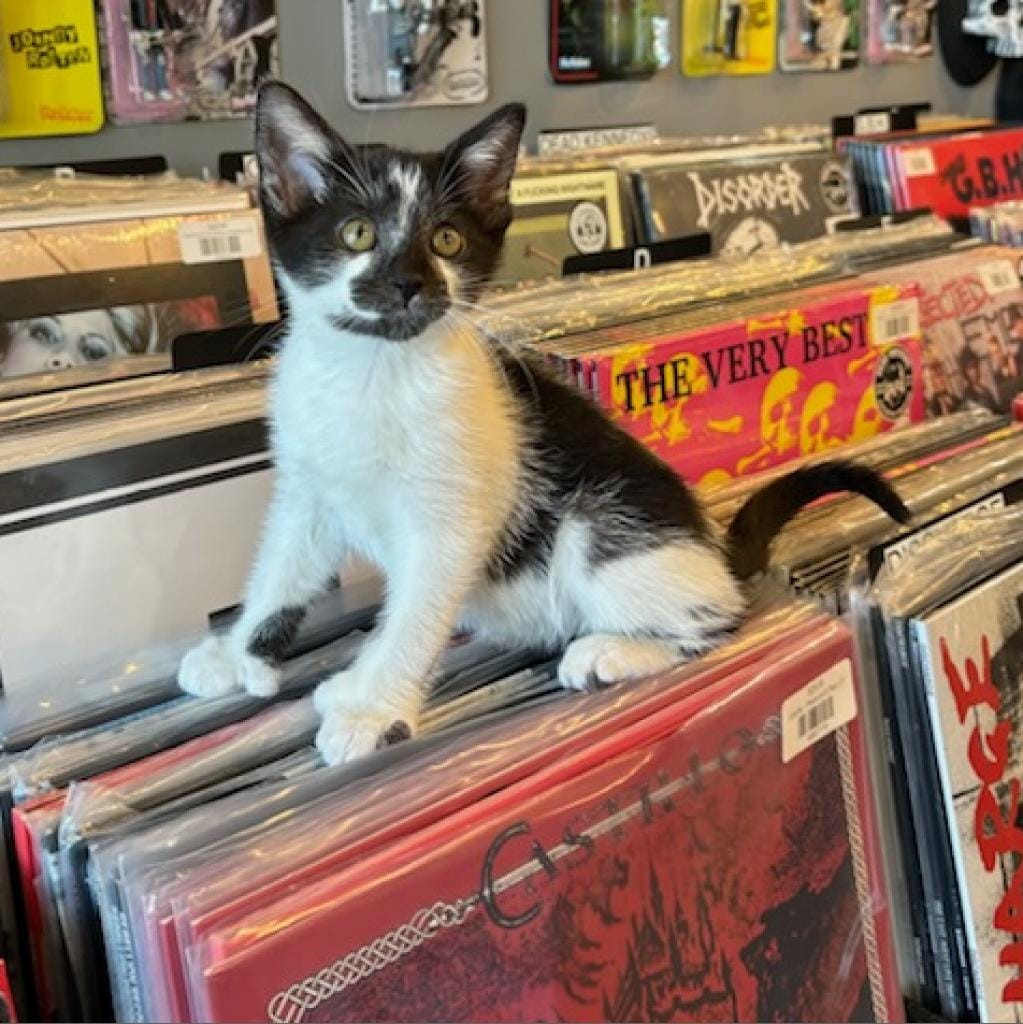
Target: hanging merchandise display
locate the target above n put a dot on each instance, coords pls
(49, 68)
(899, 30)
(171, 61)
(728, 37)
(607, 40)
(415, 53)
(820, 35)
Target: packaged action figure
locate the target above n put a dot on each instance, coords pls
(899, 30)
(49, 68)
(728, 37)
(602, 40)
(175, 59)
(820, 35)
(415, 53)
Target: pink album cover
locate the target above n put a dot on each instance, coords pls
(204, 906)
(553, 899)
(830, 367)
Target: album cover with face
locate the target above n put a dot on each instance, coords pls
(971, 322)
(745, 204)
(84, 295)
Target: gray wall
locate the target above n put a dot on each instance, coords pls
(311, 48)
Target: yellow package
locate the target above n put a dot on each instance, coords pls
(728, 37)
(50, 68)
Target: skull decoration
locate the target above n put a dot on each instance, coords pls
(777, 411)
(815, 423)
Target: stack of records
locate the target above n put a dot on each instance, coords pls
(944, 626)
(506, 864)
(982, 470)
(94, 270)
(947, 173)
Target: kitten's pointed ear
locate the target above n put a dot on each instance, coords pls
(484, 157)
(294, 147)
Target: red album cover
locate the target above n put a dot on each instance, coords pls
(508, 756)
(951, 174)
(707, 863)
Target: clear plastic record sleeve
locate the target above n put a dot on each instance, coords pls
(938, 587)
(340, 824)
(556, 879)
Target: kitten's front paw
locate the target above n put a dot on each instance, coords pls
(349, 733)
(214, 669)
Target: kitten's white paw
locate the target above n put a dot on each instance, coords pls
(214, 669)
(348, 733)
(603, 659)
(334, 691)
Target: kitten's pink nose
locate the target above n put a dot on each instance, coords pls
(409, 288)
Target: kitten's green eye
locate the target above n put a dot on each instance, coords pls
(358, 234)
(447, 241)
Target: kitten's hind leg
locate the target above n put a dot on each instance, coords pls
(600, 659)
(645, 612)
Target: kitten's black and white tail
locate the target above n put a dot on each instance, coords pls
(758, 522)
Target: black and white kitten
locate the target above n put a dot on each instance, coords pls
(492, 497)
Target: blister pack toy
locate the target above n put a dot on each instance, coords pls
(728, 37)
(172, 60)
(49, 68)
(820, 35)
(415, 53)
(900, 30)
(607, 40)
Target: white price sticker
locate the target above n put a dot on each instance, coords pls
(872, 124)
(212, 241)
(998, 276)
(918, 163)
(817, 710)
(895, 321)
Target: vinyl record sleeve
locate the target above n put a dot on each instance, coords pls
(971, 320)
(951, 174)
(746, 205)
(729, 400)
(558, 214)
(972, 659)
(578, 915)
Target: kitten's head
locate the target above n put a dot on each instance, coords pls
(377, 240)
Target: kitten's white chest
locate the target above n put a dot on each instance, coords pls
(391, 436)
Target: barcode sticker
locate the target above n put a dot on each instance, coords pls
(211, 241)
(818, 710)
(918, 163)
(872, 124)
(895, 321)
(998, 276)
